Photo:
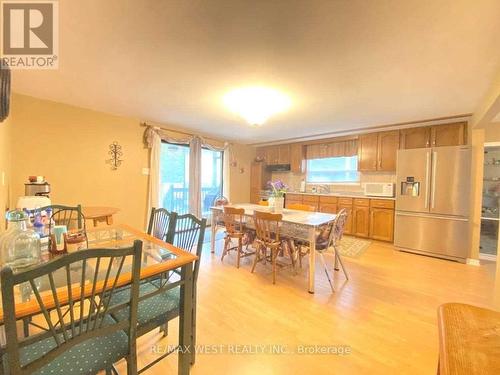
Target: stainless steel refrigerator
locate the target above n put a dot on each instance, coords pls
(432, 201)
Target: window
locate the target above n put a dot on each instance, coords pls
(342, 169)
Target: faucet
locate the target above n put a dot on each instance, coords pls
(324, 189)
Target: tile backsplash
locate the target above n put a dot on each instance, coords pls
(293, 181)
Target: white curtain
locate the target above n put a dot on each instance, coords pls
(153, 137)
(195, 176)
(226, 169)
(154, 172)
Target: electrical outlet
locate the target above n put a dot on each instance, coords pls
(145, 171)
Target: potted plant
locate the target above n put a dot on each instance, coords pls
(277, 197)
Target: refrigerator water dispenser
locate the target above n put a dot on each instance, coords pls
(410, 187)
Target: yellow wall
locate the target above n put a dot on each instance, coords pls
(492, 132)
(69, 146)
(5, 129)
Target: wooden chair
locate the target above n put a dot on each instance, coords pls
(162, 224)
(235, 229)
(160, 297)
(301, 207)
(84, 339)
(267, 228)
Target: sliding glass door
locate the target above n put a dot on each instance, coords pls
(211, 179)
(174, 178)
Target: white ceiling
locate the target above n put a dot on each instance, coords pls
(346, 64)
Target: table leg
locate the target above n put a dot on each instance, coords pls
(312, 258)
(214, 231)
(186, 348)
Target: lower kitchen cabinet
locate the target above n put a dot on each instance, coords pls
(382, 224)
(366, 217)
(348, 224)
(361, 221)
(329, 208)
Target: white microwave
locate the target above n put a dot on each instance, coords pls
(379, 189)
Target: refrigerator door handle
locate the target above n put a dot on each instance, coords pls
(427, 175)
(433, 183)
(432, 216)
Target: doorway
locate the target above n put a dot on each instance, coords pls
(174, 178)
(490, 210)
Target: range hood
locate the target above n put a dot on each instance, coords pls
(278, 168)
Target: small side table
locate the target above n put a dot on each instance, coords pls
(99, 214)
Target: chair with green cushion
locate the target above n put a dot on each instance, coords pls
(159, 297)
(78, 334)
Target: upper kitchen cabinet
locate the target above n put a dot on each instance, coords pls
(388, 144)
(367, 152)
(272, 155)
(416, 137)
(434, 136)
(448, 135)
(377, 151)
(297, 159)
(284, 154)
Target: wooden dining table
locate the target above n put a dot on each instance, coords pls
(299, 225)
(158, 258)
(99, 214)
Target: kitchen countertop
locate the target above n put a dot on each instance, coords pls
(343, 194)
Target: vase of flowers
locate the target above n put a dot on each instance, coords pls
(277, 197)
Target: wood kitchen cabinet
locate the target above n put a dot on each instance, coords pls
(415, 137)
(297, 159)
(311, 200)
(367, 152)
(434, 136)
(361, 217)
(272, 155)
(328, 204)
(284, 154)
(382, 220)
(259, 176)
(347, 204)
(377, 151)
(292, 199)
(448, 135)
(388, 145)
(366, 217)
(361, 221)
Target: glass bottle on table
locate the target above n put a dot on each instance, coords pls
(19, 245)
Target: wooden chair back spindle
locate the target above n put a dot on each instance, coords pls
(267, 226)
(233, 219)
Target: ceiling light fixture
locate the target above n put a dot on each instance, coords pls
(256, 104)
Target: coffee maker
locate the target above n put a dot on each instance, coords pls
(37, 189)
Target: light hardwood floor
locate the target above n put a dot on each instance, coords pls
(386, 314)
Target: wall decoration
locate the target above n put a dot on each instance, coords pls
(115, 151)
